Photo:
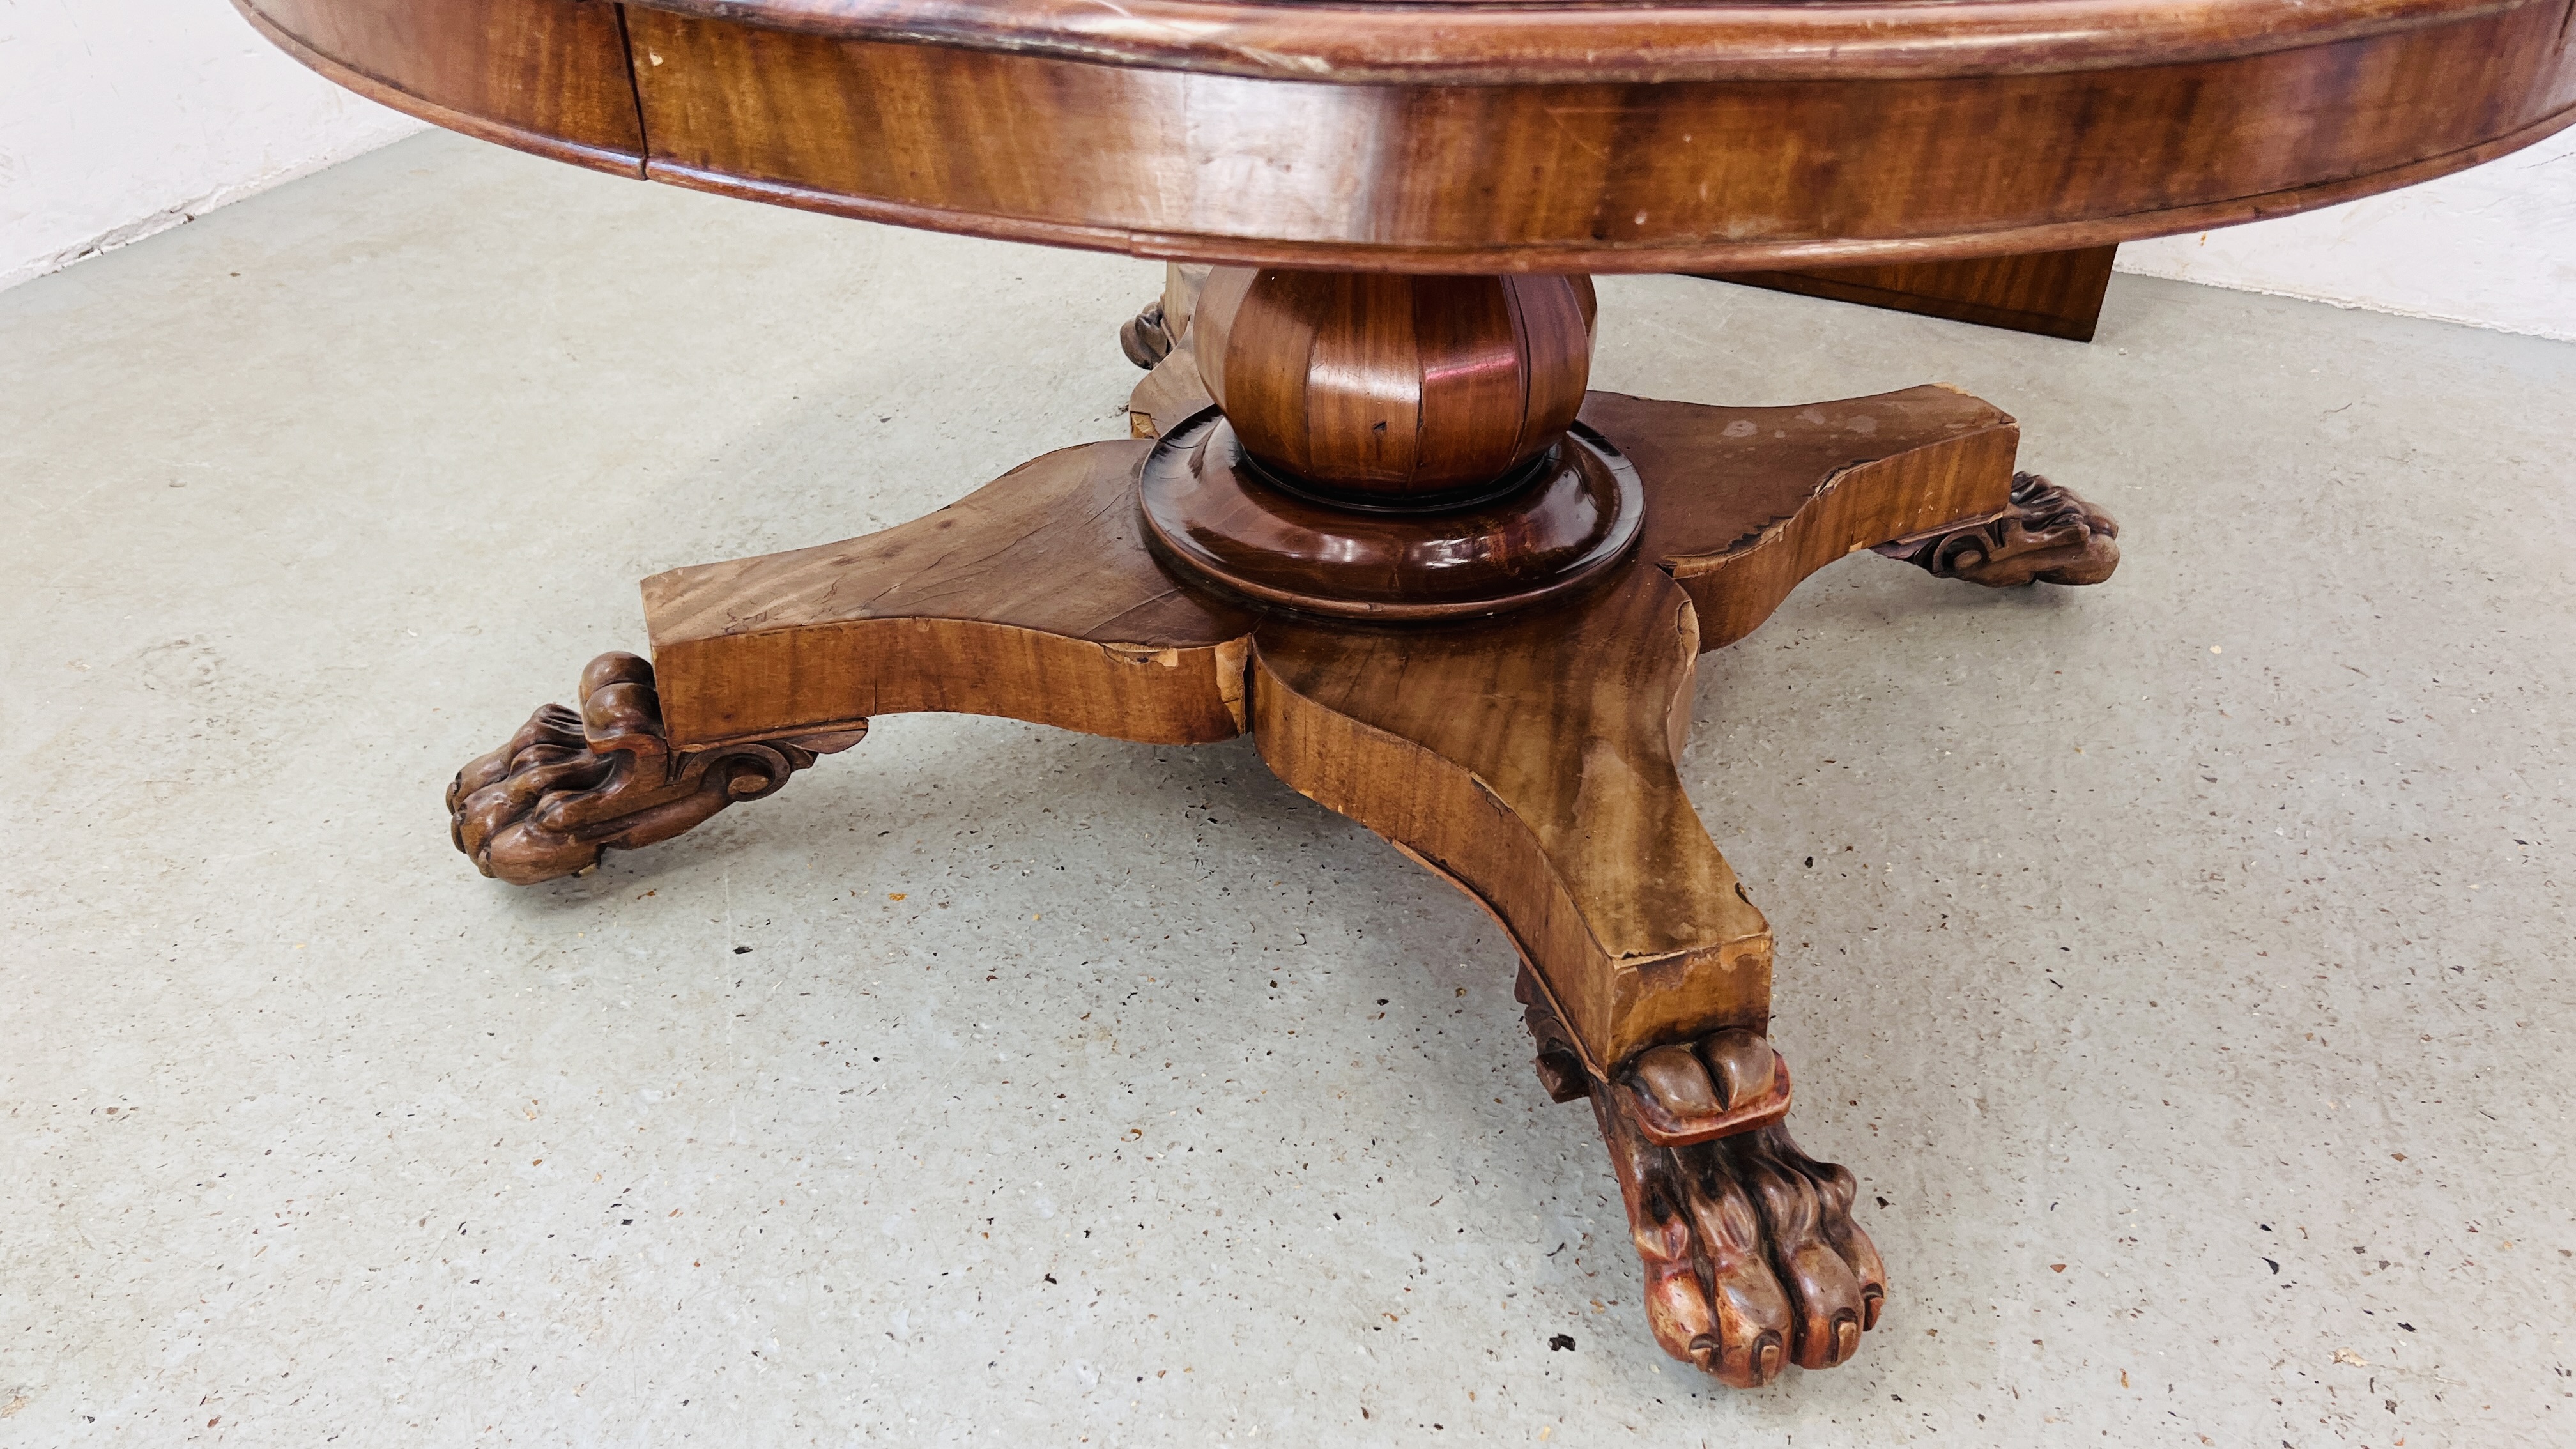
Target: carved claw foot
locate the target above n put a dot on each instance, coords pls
(2047, 536)
(1146, 338)
(1752, 1260)
(571, 785)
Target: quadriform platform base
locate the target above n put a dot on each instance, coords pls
(1527, 756)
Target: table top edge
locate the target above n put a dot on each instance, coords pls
(1453, 43)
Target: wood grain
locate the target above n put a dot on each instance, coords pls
(1171, 394)
(2053, 294)
(1386, 390)
(1529, 759)
(1674, 176)
(1915, 146)
(1034, 597)
(1742, 504)
(1474, 41)
(1531, 762)
(548, 76)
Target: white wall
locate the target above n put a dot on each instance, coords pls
(121, 118)
(2494, 247)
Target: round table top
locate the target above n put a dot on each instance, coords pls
(1470, 135)
(1461, 41)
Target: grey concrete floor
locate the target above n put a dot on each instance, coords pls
(2183, 965)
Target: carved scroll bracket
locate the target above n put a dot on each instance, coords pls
(569, 786)
(2047, 536)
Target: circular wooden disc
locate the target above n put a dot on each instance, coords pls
(1536, 136)
(1217, 515)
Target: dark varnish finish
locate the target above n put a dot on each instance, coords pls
(1744, 137)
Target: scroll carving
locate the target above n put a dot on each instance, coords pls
(2047, 536)
(570, 785)
(1146, 338)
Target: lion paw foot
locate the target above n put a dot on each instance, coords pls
(2047, 536)
(570, 785)
(1751, 1257)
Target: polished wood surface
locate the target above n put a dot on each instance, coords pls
(1391, 447)
(1916, 145)
(1529, 759)
(1038, 597)
(1562, 523)
(1380, 389)
(541, 75)
(1033, 597)
(2055, 294)
(1453, 41)
(1745, 503)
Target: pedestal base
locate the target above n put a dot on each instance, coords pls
(1528, 759)
(1553, 529)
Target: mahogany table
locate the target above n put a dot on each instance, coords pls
(1451, 593)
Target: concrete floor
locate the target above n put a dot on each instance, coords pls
(2184, 965)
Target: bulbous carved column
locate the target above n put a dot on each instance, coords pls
(1390, 390)
(1392, 446)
